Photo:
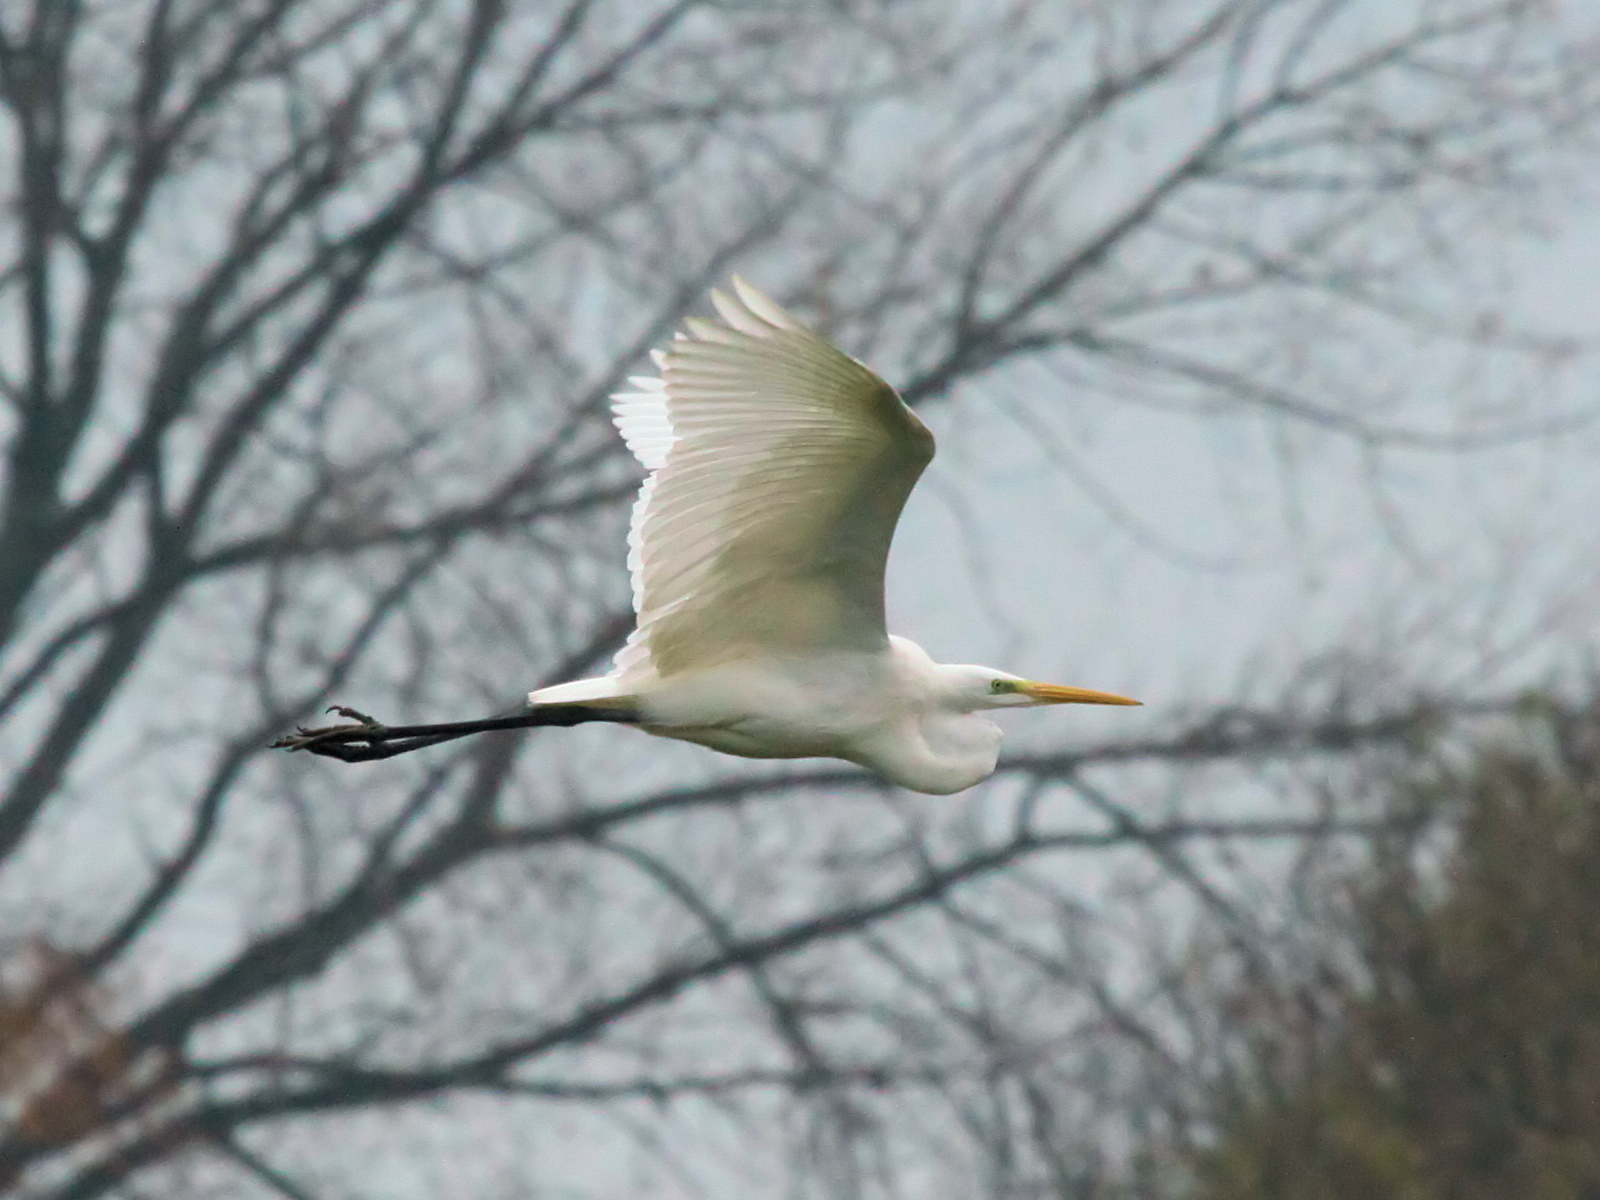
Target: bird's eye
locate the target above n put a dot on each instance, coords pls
(999, 685)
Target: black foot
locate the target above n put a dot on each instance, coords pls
(304, 739)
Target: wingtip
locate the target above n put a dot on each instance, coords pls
(734, 314)
(763, 306)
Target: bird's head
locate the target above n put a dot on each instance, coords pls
(985, 687)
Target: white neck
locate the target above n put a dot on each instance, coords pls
(938, 753)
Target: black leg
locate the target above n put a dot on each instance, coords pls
(367, 740)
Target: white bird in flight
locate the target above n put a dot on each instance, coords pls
(778, 466)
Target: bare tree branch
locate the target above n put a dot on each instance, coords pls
(312, 313)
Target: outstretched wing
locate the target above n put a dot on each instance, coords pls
(778, 469)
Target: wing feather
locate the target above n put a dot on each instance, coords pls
(778, 469)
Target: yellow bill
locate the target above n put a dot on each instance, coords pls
(1052, 693)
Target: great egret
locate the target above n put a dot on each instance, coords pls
(778, 467)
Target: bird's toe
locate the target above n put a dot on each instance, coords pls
(361, 728)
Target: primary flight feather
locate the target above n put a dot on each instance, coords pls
(778, 467)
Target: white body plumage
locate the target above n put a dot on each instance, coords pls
(897, 713)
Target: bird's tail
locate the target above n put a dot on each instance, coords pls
(599, 692)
